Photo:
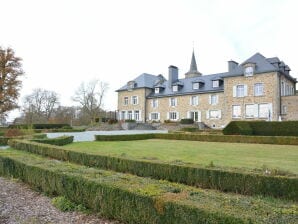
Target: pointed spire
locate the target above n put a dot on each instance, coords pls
(193, 70)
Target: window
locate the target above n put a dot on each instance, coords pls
(258, 89)
(129, 115)
(215, 83)
(195, 85)
(154, 116)
(236, 111)
(251, 110)
(214, 114)
(156, 90)
(284, 109)
(282, 88)
(213, 99)
(249, 71)
(123, 115)
(173, 115)
(240, 91)
(154, 103)
(194, 100)
(134, 100)
(125, 100)
(175, 88)
(264, 110)
(173, 102)
(137, 115)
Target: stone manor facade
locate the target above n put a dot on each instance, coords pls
(260, 88)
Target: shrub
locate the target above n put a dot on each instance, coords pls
(63, 204)
(38, 126)
(238, 182)
(263, 128)
(130, 121)
(13, 132)
(186, 121)
(63, 140)
(190, 129)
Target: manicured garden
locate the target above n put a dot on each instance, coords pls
(239, 155)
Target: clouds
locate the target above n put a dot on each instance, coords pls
(66, 42)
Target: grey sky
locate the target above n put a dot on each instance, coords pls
(65, 42)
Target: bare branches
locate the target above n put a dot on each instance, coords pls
(90, 96)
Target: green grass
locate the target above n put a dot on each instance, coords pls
(251, 156)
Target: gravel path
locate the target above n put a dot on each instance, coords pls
(21, 205)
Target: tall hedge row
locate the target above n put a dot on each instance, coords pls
(243, 183)
(133, 199)
(274, 128)
(39, 126)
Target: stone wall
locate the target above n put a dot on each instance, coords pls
(290, 105)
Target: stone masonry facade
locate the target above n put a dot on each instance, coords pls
(258, 89)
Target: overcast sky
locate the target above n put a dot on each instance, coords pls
(66, 42)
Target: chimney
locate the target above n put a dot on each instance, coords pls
(232, 65)
(173, 75)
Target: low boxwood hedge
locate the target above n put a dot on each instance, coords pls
(39, 126)
(62, 140)
(278, 140)
(238, 182)
(133, 199)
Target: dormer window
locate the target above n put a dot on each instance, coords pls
(215, 83)
(195, 85)
(131, 85)
(248, 71)
(156, 90)
(175, 88)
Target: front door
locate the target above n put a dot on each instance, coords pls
(195, 115)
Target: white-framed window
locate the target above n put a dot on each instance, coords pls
(123, 115)
(259, 89)
(137, 115)
(195, 85)
(175, 88)
(213, 99)
(126, 100)
(240, 90)
(195, 115)
(154, 103)
(213, 114)
(264, 110)
(129, 115)
(249, 71)
(134, 100)
(194, 100)
(215, 83)
(284, 109)
(282, 89)
(173, 102)
(173, 116)
(156, 90)
(236, 111)
(251, 110)
(154, 116)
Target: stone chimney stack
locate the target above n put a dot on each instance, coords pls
(173, 75)
(232, 65)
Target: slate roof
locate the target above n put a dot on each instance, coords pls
(262, 65)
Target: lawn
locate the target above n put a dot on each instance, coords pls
(238, 155)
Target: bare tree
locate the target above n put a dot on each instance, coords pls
(90, 96)
(10, 71)
(40, 105)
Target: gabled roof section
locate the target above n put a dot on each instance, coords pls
(142, 81)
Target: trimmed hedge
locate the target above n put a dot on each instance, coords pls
(186, 121)
(3, 140)
(39, 126)
(243, 183)
(278, 140)
(263, 128)
(62, 140)
(133, 199)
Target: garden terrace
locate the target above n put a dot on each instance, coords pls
(135, 199)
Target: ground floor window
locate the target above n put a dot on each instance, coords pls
(123, 115)
(236, 111)
(214, 114)
(263, 110)
(129, 115)
(137, 115)
(195, 115)
(173, 116)
(154, 116)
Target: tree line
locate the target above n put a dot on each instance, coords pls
(43, 106)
